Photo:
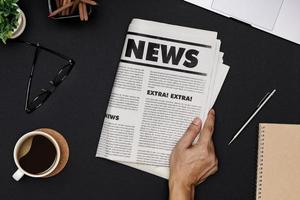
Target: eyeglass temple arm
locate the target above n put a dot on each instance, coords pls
(30, 77)
(49, 50)
(58, 54)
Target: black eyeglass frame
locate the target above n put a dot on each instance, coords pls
(54, 83)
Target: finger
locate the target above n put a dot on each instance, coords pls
(211, 147)
(191, 133)
(212, 171)
(201, 181)
(208, 128)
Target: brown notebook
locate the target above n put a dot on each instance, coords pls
(278, 165)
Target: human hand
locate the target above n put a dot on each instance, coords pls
(191, 164)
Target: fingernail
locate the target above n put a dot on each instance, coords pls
(212, 111)
(196, 121)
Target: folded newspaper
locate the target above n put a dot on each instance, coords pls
(167, 75)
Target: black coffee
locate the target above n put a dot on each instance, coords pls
(40, 156)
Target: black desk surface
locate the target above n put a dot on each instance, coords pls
(259, 62)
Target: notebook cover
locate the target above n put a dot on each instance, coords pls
(278, 165)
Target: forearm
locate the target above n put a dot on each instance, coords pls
(180, 192)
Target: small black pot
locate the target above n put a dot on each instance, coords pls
(52, 7)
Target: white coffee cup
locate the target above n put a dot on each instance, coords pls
(20, 171)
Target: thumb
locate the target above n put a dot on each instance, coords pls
(190, 134)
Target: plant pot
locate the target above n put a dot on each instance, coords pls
(21, 27)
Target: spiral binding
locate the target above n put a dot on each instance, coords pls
(260, 160)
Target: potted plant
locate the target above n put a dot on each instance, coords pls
(12, 20)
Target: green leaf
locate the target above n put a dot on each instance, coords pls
(9, 16)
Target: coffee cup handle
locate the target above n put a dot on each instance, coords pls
(18, 175)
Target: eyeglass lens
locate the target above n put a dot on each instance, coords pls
(61, 75)
(39, 100)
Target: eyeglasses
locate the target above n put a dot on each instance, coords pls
(62, 74)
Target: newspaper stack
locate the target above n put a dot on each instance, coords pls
(167, 75)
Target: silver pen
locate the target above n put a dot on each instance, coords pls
(258, 108)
